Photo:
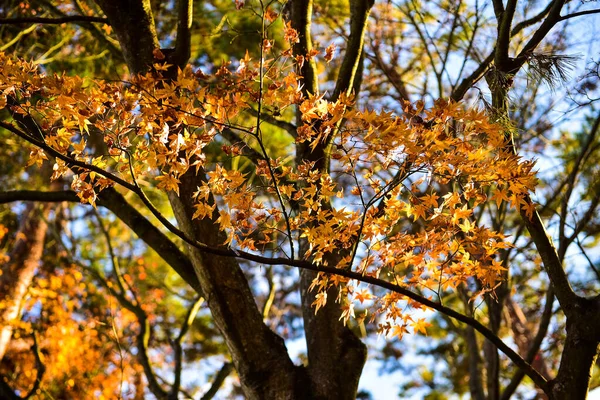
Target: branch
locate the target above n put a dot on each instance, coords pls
(459, 92)
(586, 149)
(287, 126)
(7, 393)
(113, 44)
(552, 261)
(503, 40)
(142, 337)
(133, 23)
(228, 252)
(53, 21)
(247, 150)
(115, 202)
(360, 10)
(475, 383)
(176, 344)
(219, 379)
(578, 14)
(533, 20)
(183, 41)
(534, 348)
(121, 282)
(39, 365)
(551, 20)
(498, 8)
(469, 81)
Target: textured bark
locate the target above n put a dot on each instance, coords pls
(133, 23)
(475, 384)
(475, 377)
(492, 358)
(330, 344)
(580, 352)
(18, 272)
(335, 355)
(259, 355)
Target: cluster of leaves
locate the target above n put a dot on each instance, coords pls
(77, 342)
(155, 129)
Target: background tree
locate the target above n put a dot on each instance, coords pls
(397, 169)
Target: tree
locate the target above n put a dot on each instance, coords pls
(382, 214)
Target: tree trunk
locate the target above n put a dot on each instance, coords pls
(580, 351)
(335, 355)
(18, 272)
(259, 355)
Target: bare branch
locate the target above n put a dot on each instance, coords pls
(579, 14)
(469, 81)
(570, 184)
(142, 337)
(360, 10)
(533, 20)
(534, 346)
(551, 20)
(503, 40)
(176, 344)
(287, 126)
(223, 373)
(39, 365)
(53, 21)
(184, 34)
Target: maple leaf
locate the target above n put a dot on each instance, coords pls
(466, 226)
(398, 331)
(529, 208)
(420, 326)
(363, 295)
(460, 213)
(430, 200)
(168, 182)
(224, 220)
(347, 312)
(290, 35)
(37, 157)
(271, 15)
(329, 52)
(500, 195)
(320, 301)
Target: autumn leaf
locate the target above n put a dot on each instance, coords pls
(420, 325)
(329, 52)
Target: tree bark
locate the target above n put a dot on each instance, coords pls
(18, 272)
(259, 355)
(330, 344)
(579, 353)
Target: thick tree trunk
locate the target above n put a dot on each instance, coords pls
(335, 355)
(18, 272)
(580, 351)
(259, 355)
